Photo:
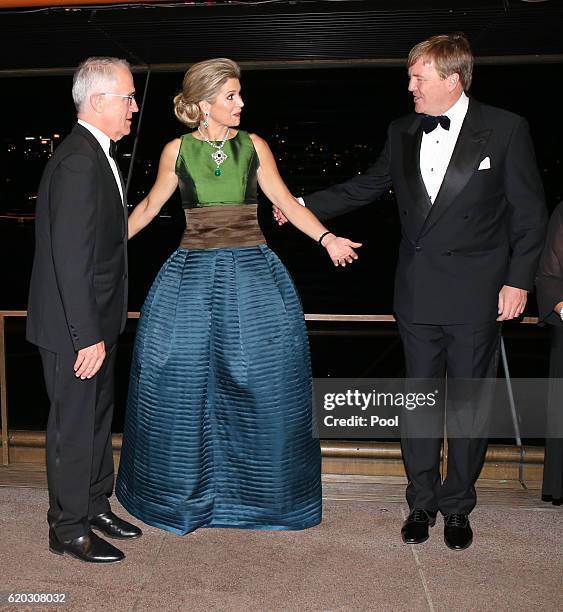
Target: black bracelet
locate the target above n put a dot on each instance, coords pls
(320, 240)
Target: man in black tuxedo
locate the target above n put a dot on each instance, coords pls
(472, 211)
(78, 307)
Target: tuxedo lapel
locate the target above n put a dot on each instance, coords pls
(411, 140)
(122, 181)
(125, 216)
(465, 159)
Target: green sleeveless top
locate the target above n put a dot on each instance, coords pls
(199, 186)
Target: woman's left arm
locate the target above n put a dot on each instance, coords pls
(340, 250)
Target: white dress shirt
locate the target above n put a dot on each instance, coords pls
(104, 141)
(437, 147)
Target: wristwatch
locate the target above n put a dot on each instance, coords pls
(561, 313)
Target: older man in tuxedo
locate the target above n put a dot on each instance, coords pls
(472, 212)
(78, 307)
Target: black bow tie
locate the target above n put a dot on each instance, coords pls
(430, 123)
(112, 149)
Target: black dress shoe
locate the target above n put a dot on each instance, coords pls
(114, 527)
(457, 531)
(415, 528)
(89, 548)
(556, 501)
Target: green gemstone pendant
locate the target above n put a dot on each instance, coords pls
(217, 171)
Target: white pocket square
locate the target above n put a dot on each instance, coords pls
(485, 164)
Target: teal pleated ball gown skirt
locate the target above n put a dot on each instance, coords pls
(218, 428)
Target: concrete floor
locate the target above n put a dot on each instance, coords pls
(353, 561)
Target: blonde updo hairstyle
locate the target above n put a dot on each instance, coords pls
(202, 82)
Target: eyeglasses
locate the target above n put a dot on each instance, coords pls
(130, 97)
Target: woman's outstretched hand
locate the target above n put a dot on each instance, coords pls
(341, 250)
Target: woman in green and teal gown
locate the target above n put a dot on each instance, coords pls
(218, 429)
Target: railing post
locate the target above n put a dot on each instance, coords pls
(513, 414)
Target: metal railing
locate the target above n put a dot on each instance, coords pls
(333, 448)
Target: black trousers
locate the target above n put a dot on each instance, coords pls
(80, 470)
(552, 488)
(462, 351)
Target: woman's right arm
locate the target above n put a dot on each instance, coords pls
(164, 186)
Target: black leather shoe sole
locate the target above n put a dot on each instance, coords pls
(57, 548)
(63, 552)
(463, 546)
(417, 540)
(71, 554)
(413, 540)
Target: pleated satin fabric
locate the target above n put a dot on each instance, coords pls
(218, 430)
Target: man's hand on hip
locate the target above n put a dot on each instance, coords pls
(89, 360)
(279, 217)
(511, 302)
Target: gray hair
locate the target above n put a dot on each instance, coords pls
(94, 75)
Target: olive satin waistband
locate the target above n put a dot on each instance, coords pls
(222, 226)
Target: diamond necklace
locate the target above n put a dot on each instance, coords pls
(218, 156)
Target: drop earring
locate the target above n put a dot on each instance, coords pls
(205, 122)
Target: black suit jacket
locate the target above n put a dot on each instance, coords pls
(549, 281)
(484, 230)
(78, 291)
